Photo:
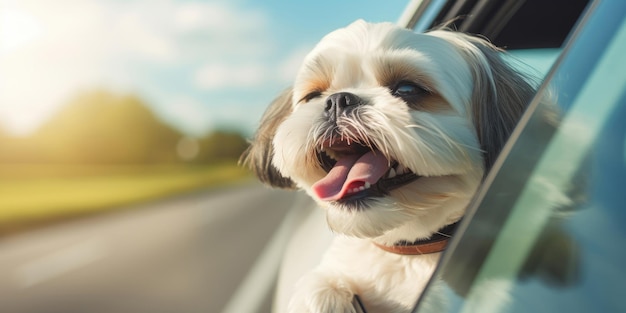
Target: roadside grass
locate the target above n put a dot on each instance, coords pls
(36, 193)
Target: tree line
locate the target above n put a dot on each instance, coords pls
(102, 127)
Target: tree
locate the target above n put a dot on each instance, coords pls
(221, 145)
(102, 127)
(99, 127)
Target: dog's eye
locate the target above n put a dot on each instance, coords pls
(310, 96)
(407, 89)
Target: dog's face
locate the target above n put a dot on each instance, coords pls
(390, 131)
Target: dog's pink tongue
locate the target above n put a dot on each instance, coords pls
(350, 172)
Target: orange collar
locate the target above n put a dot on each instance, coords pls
(437, 243)
(416, 249)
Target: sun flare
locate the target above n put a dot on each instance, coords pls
(17, 28)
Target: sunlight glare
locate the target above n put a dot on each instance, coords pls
(17, 28)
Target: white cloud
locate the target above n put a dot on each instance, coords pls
(217, 17)
(219, 75)
(136, 36)
(58, 48)
(213, 76)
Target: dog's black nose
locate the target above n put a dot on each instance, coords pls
(338, 103)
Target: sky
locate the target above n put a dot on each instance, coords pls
(199, 65)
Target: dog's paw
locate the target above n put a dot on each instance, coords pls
(317, 294)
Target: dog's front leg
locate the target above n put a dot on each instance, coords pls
(322, 292)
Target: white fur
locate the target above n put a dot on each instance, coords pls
(385, 282)
(440, 145)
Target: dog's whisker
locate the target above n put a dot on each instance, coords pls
(435, 131)
(443, 234)
(451, 144)
(418, 142)
(357, 124)
(453, 147)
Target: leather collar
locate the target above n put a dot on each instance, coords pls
(436, 243)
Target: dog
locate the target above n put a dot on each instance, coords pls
(391, 132)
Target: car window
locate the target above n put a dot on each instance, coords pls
(545, 233)
(535, 62)
(506, 26)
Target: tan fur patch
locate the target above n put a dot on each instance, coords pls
(390, 73)
(432, 103)
(318, 79)
(318, 84)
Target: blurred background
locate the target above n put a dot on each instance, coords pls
(121, 122)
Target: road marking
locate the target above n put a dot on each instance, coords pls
(58, 263)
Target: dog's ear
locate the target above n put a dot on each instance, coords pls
(258, 156)
(499, 98)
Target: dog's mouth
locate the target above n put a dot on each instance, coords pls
(355, 172)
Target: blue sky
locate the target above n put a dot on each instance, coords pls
(200, 65)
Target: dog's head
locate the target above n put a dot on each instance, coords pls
(391, 131)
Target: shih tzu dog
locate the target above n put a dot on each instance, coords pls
(391, 132)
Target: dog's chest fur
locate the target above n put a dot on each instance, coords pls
(385, 281)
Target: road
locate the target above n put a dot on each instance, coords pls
(185, 254)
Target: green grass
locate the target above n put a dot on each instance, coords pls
(38, 193)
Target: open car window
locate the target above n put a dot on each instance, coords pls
(532, 32)
(535, 62)
(544, 233)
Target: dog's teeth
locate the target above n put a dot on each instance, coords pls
(400, 170)
(392, 173)
(361, 188)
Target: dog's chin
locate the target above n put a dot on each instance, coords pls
(374, 216)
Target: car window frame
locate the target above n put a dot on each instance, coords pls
(580, 36)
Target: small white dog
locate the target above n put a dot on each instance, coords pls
(391, 132)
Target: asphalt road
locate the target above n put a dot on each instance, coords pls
(185, 254)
